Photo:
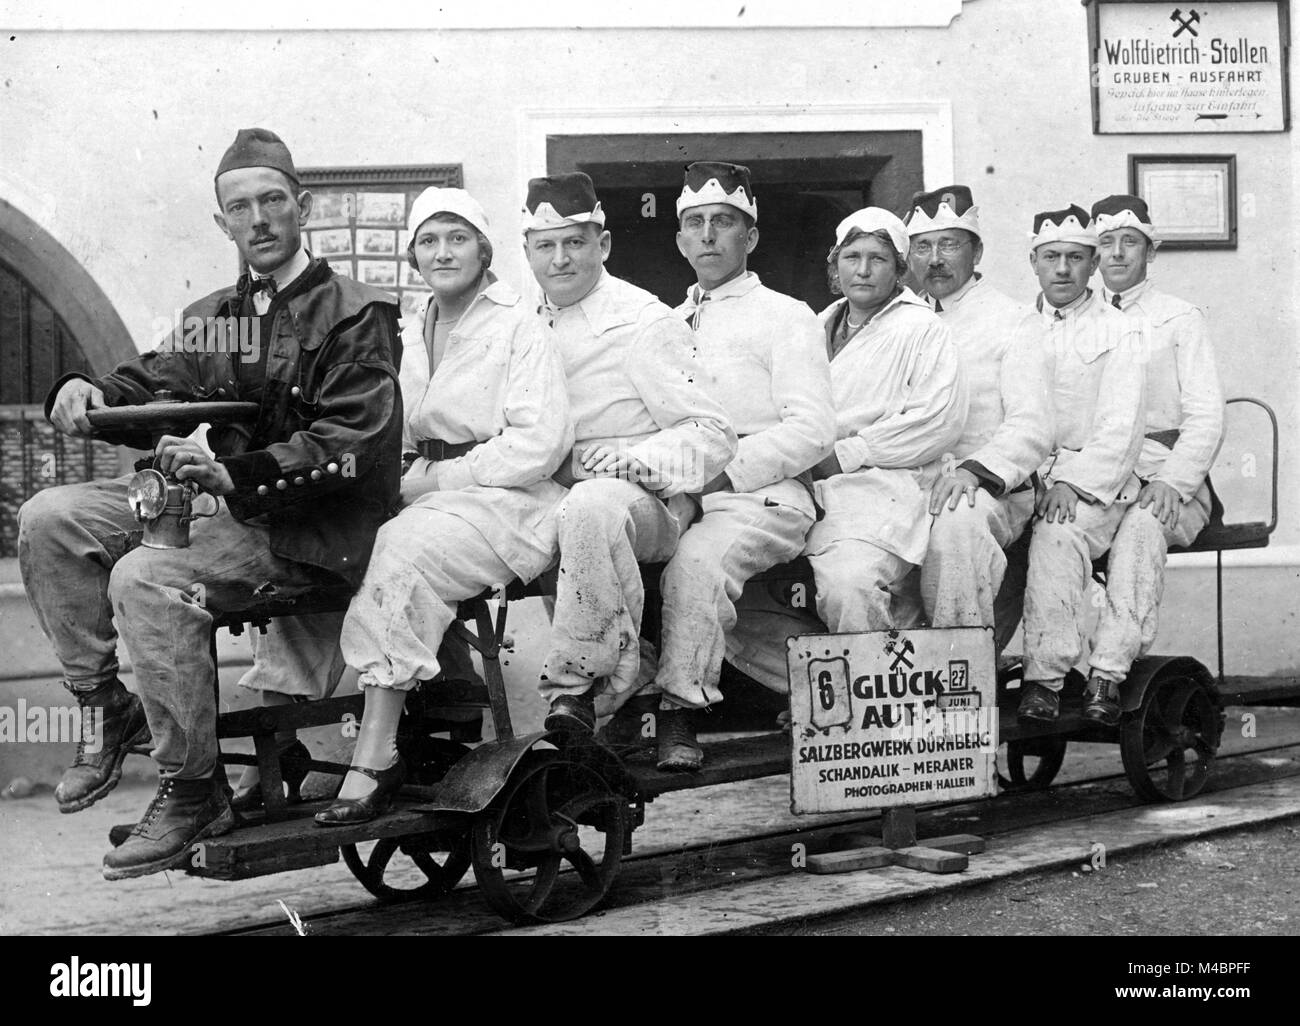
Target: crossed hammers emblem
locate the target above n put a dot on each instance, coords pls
(1185, 24)
(900, 653)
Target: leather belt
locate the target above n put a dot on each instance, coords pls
(1168, 438)
(436, 449)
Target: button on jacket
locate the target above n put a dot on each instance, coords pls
(500, 383)
(330, 414)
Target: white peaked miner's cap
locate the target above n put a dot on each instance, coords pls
(949, 207)
(873, 219)
(712, 181)
(1069, 225)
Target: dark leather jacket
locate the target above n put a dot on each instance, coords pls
(330, 404)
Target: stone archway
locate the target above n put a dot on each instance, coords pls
(71, 292)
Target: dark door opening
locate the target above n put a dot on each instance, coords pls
(805, 184)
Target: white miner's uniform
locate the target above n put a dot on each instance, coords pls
(482, 518)
(900, 404)
(764, 360)
(1099, 389)
(1184, 428)
(1008, 434)
(635, 383)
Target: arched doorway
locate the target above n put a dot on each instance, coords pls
(54, 320)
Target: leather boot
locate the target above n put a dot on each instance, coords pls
(113, 722)
(679, 748)
(1101, 702)
(626, 732)
(182, 812)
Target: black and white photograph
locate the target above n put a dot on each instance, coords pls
(653, 470)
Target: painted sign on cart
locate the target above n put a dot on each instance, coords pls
(1207, 68)
(891, 718)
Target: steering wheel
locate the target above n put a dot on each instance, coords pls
(169, 417)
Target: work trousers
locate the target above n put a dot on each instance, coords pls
(965, 563)
(425, 563)
(738, 536)
(1060, 569)
(89, 579)
(1135, 583)
(607, 527)
(854, 578)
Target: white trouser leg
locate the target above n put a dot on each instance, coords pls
(854, 578)
(737, 537)
(1060, 566)
(1135, 583)
(965, 563)
(606, 528)
(424, 563)
(297, 656)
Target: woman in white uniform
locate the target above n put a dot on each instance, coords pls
(487, 424)
(900, 404)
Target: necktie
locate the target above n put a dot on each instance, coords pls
(266, 285)
(1114, 301)
(938, 307)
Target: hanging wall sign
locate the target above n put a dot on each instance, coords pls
(1203, 68)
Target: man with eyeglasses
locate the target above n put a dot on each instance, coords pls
(985, 498)
(764, 360)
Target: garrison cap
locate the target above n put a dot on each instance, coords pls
(257, 147)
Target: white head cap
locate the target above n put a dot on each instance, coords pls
(446, 201)
(874, 219)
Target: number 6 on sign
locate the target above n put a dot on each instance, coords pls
(828, 683)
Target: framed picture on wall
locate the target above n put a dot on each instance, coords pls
(359, 218)
(1192, 198)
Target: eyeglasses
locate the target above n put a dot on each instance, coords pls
(695, 223)
(945, 247)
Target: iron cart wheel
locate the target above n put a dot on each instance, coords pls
(1031, 763)
(1168, 743)
(394, 883)
(552, 811)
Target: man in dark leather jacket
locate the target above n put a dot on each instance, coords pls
(306, 487)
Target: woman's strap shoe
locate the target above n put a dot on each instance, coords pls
(345, 811)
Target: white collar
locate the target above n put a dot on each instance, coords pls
(288, 272)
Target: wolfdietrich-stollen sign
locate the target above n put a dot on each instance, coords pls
(891, 718)
(1203, 68)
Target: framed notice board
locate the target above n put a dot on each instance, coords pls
(1204, 68)
(358, 223)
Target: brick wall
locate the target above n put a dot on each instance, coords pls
(34, 456)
